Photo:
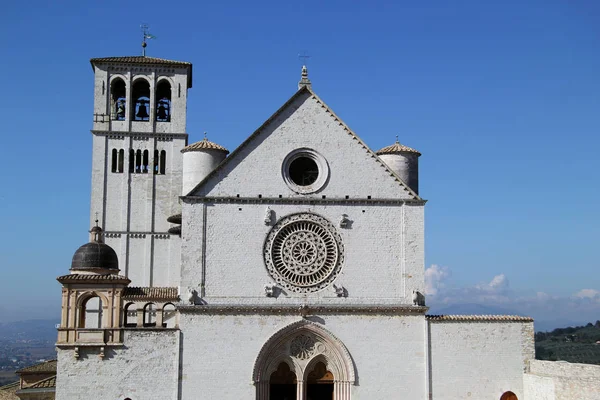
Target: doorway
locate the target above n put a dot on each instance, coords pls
(319, 383)
(282, 384)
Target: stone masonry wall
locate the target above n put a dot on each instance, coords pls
(388, 353)
(477, 360)
(146, 367)
(560, 380)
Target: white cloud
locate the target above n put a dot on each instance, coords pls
(496, 296)
(435, 277)
(587, 294)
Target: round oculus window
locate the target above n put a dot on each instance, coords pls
(305, 171)
(303, 253)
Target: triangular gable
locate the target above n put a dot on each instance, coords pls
(219, 174)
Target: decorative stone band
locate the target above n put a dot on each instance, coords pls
(302, 309)
(151, 293)
(482, 318)
(159, 136)
(303, 200)
(83, 278)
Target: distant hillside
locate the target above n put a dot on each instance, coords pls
(579, 344)
(35, 329)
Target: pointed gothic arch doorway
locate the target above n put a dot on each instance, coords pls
(319, 383)
(282, 383)
(305, 351)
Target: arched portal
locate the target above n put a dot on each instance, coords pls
(509, 396)
(282, 383)
(319, 383)
(316, 357)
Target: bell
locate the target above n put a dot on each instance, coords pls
(120, 110)
(161, 113)
(142, 112)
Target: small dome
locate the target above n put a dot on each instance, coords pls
(204, 144)
(93, 256)
(397, 148)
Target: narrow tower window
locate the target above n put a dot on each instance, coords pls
(121, 160)
(131, 160)
(138, 161)
(163, 101)
(145, 165)
(114, 161)
(118, 100)
(163, 161)
(140, 96)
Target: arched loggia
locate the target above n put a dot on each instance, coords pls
(311, 352)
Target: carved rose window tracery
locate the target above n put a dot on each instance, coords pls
(303, 253)
(302, 347)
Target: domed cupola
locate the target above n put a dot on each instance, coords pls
(95, 256)
(199, 159)
(404, 161)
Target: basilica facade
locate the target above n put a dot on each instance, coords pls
(290, 268)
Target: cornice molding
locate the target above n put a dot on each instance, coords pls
(296, 200)
(302, 309)
(134, 133)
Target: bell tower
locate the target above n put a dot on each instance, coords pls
(139, 129)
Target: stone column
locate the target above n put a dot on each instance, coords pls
(160, 315)
(341, 390)
(300, 390)
(262, 390)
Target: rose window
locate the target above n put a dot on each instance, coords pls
(303, 252)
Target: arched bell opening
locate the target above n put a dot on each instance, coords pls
(319, 383)
(163, 101)
(509, 396)
(118, 99)
(140, 99)
(282, 383)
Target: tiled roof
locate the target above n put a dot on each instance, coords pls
(7, 392)
(143, 60)
(506, 318)
(92, 277)
(174, 219)
(139, 60)
(204, 144)
(397, 148)
(151, 293)
(46, 366)
(44, 383)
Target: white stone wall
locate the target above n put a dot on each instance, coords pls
(560, 380)
(256, 169)
(218, 358)
(146, 367)
(383, 251)
(478, 360)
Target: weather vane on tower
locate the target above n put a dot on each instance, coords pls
(145, 35)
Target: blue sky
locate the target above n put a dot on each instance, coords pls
(502, 98)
